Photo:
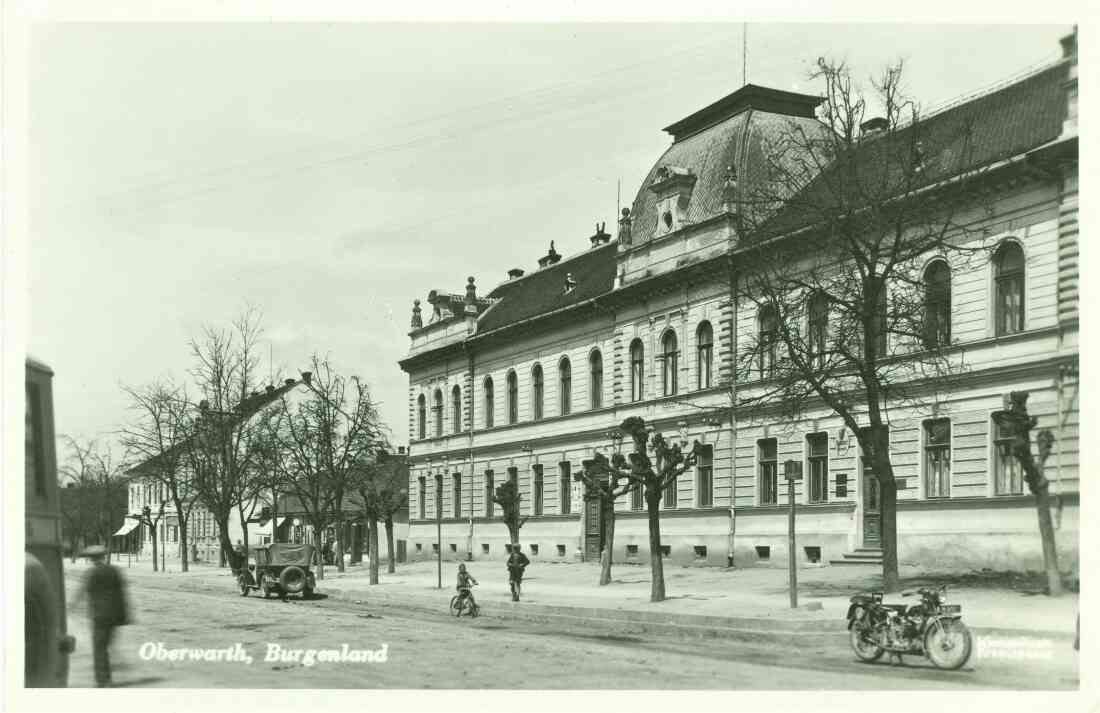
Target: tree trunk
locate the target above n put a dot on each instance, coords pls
(513, 534)
(228, 556)
(391, 561)
(888, 507)
(1046, 534)
(372, 546)
(184, 559)
(153, 537)
(656, 559)
(318, 536)
(338, 551)
(357, 543)
(607, 506)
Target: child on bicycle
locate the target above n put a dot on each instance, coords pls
(464, 584)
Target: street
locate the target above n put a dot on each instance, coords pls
(431, 649)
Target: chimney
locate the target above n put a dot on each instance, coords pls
(307, 376)
(515, 273)
(550, 257)
(288, 382)
(873, 127)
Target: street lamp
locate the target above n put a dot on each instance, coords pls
(164, 543)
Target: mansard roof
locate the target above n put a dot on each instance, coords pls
(966, 137)
(545, 290)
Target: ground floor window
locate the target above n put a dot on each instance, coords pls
(1007, 475)
(817, 447)
(937, 458)
(536, 491)
(769, 473)
(704, 477)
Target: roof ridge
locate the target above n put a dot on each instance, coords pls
(542, 270)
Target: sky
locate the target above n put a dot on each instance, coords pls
(330, 173)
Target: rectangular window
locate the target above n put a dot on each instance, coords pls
(670, 494)
(566, 488)
(489, 492)
(421, 497)
(842, 485)
(1007, 474)
(704, 477)
(817, 447)
(937, 458)
(457, 494)
(513, 475)
(536, 489)
(636, 498)
(769, 471)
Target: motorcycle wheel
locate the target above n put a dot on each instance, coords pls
(865, 650)
(948, 644)
(456, 605)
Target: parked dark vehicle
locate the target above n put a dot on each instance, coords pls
(280, 568)
(932, 628)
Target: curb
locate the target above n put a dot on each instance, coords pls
(804, 632)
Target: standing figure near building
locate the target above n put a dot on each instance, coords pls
(107, 609)
(517, 562)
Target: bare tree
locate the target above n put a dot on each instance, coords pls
(93, 499)
(156, 440)
(838, 235)
(323, 439)
(381, 491)
(224, 443)
(603, 486)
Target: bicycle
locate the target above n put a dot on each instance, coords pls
(463, 602)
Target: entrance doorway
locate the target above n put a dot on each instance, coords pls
(593, 528)
(872, 505)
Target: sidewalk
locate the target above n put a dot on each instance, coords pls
(991, 602)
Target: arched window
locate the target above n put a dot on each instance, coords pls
(421, 417)
(637, 369)
(937, 304)
(437, 408)
(768, 339)
(1008, 264)
(456, 409)
(670, 363)
(513, 397)
(536, 392)
(818, 328)
(704, 355)
(488, 402)
(565, 385)
(595, 379)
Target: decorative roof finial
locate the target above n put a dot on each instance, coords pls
(625, 224)
(471, 297)
(417, 321)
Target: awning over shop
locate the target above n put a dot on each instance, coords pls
(127, 527)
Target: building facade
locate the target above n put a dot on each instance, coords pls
(533, 378)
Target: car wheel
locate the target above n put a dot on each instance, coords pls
(292, 580)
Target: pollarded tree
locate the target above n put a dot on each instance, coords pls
(654, 475)
(849, 243)
(603, 486)
(508, 497)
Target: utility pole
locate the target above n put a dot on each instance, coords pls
(792, 471)
(439, 528)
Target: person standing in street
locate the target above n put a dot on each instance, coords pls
(517, 562)
(107, 608)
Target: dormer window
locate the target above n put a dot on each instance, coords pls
(673, 186)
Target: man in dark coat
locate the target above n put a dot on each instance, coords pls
(107, 608)
(517, 562)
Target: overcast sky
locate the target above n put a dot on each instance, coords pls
(331, 173)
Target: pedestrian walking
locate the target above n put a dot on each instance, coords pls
(107, 608)
(517, 562)
(240, 557)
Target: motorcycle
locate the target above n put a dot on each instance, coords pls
(932, 628)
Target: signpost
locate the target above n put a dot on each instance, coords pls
(792, 471)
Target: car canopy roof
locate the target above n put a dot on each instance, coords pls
(283, 553)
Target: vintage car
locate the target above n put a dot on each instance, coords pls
(280, 568)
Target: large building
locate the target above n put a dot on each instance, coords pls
(532, 378)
